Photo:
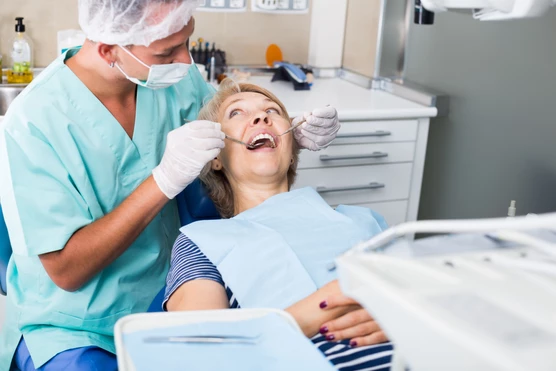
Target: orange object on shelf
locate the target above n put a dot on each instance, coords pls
(273, 54)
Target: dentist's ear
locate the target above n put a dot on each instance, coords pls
(107, 52)
(216, 164)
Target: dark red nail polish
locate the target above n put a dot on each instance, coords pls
(353, 343)
(323, 304)
(323, 330)
(330, 337)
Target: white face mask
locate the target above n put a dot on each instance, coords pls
(160, 75)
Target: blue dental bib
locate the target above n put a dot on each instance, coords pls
(281, 251)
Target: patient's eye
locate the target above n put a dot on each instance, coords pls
(234, 112)
(272, 110)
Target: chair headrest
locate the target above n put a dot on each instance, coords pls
(5, 252)
(195, 204)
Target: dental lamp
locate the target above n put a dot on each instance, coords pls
(480, 297)
(484, 10)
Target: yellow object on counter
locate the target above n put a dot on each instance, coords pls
(20, 70)
(19, 77)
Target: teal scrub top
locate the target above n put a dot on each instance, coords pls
(66, 162)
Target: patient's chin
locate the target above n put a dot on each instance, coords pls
(267, 171)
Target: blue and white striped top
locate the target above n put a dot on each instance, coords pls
(189, 263)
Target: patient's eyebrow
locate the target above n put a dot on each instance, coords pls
(235, 101)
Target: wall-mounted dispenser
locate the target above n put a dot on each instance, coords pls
(492, 10)
(422, 15)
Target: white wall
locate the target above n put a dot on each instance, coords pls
(244, 36)
(361, 36)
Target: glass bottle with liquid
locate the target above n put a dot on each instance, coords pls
(20, 70)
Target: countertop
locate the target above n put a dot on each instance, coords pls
(352, 102)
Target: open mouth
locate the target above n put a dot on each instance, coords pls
(262, 141)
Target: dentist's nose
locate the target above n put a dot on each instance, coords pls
(183, 56)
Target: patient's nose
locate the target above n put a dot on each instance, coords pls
(260, 119)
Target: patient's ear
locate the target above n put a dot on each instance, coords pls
(216, 164)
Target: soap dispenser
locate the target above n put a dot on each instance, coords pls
(20, 69)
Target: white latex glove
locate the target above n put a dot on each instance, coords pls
(319, 130)
(188, 149)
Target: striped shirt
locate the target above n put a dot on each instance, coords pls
(189, 263)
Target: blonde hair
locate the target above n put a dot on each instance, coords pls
(216, 181)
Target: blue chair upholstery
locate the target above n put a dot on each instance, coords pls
(193, 204)
(5, 252)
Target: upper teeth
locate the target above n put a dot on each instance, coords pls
(264, 136)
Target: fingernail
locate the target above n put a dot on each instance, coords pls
(353, 343)
(330, 337)
(323, 304)
(324, 330)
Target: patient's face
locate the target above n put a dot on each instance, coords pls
(252, 117)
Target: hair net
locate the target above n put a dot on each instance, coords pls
(133, 22)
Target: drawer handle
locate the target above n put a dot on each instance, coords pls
(378, 133)
(373, 185)
(353, 157)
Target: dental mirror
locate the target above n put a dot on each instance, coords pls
(249, 146)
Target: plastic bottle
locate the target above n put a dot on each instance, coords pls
(511, 209)
(20, 70)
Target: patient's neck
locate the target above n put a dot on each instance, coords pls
(247, 196)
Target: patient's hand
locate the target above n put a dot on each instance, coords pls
(356, 324)
(336, 316)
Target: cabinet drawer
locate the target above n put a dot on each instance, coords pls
(358, 184)
(358, 154)
(395, 212)
(376, 132)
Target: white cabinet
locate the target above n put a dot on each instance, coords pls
(378, 157)
(358, 184)
(377, 131)
(358, 154)
(376, 164)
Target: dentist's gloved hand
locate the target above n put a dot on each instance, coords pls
(188, 149)
(319, 130)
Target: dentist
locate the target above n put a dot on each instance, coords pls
(91, 155)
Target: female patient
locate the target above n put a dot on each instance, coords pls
(275, 247)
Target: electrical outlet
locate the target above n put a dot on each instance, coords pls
(235, 4)
(223, 6)
(283, 4)
(267, 4)
(299, 4)
(217, 3)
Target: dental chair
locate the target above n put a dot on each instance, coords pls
(193, 204)
(5, 252)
